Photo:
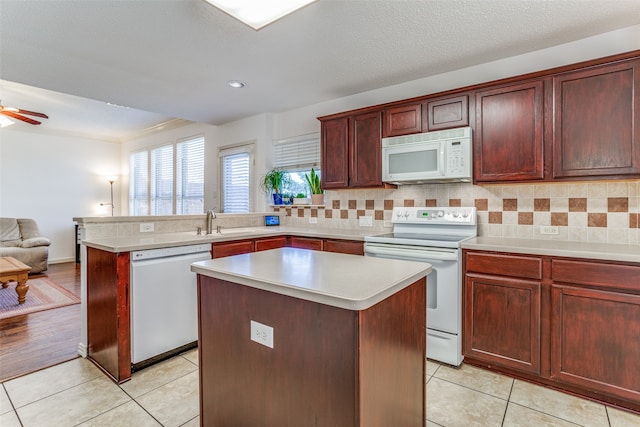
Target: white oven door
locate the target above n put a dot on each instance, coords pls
(444, 300)
(443, 283)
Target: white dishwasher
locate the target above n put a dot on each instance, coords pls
(164, 314)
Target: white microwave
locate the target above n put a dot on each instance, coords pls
(442, 156)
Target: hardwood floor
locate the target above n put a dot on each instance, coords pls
(31, 342)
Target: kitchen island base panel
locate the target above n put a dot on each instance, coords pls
(328, 366)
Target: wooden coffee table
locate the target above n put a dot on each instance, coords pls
(12, 270)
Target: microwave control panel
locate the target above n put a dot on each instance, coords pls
(458, 158)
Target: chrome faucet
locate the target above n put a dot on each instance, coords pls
(211, 215)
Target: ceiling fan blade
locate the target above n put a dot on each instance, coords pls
(32, 113)
(20, 117)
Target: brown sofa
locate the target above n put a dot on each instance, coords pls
(20, 239)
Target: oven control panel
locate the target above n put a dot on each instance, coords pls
(434, 215)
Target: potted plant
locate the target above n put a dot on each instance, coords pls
(300, 199)
(273, 182)
(317, 193)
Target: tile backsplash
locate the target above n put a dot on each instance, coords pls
(598, 212)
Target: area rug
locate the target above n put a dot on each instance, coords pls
(43, 295)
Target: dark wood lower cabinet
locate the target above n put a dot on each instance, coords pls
(577, 329)
(108, 313)
(503, 321)
(328, 366)
(595, 340)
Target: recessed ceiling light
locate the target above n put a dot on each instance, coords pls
(236, 84)
(259, 13)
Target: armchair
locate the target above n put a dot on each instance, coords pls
(20, 239)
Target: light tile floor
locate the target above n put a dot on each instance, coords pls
(76, 393)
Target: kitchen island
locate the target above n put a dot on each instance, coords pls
(297, 337)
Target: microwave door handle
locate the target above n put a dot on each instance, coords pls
(443, 169)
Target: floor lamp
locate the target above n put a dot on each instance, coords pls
(111, 180)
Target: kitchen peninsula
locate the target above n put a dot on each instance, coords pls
(298, 337)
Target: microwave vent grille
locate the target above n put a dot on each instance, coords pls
(427, 137)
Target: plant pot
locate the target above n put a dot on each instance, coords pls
(300, 201)
(277, 198)
(317, 199)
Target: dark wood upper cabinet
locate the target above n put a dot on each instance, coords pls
(596, 122)
(335, 153)
(351, 151)
(509, 139)
(445, 113)
(403, 120)
(365, 151)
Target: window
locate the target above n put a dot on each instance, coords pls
(190, 177)
(297, 156)
(236, 178)
(139, 183)
(168, 179)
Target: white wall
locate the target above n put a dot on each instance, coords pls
(53, 178)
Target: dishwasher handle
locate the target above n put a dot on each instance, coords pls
(399, 253)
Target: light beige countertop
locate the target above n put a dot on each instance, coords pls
(351, 282)
(561, 248)
(165, 240)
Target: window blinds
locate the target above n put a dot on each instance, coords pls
(297, 153)
(162, 180)
(236, 178)
(190, 176)
(139, 183)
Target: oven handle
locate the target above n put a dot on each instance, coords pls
(422, 254)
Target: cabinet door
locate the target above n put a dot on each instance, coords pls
(445, 113)
(402, 120)
(335, 153)
(595, 340)
(365, 155)
(597, 112)
(502, 322)
(232, 248)
(344, 246)
(270, 243)
(508, 141)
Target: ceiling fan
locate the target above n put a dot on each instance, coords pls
(19, 114)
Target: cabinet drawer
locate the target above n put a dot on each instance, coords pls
(504, 265)
(344, 247)
(232, 248)
(306, 243)
(270, 243)
(596, 274)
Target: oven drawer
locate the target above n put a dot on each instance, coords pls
(443, 347)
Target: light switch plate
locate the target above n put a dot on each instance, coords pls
(313, 220)
(548, 229)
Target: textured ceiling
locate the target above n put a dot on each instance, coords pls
(172, 58)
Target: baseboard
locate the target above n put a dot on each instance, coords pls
(61, 260)
(82, 350)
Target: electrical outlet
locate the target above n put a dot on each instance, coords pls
(146, 227)
(313, 220)
(262, 334)
(548, 229)
(365, 221)
(388, 224)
